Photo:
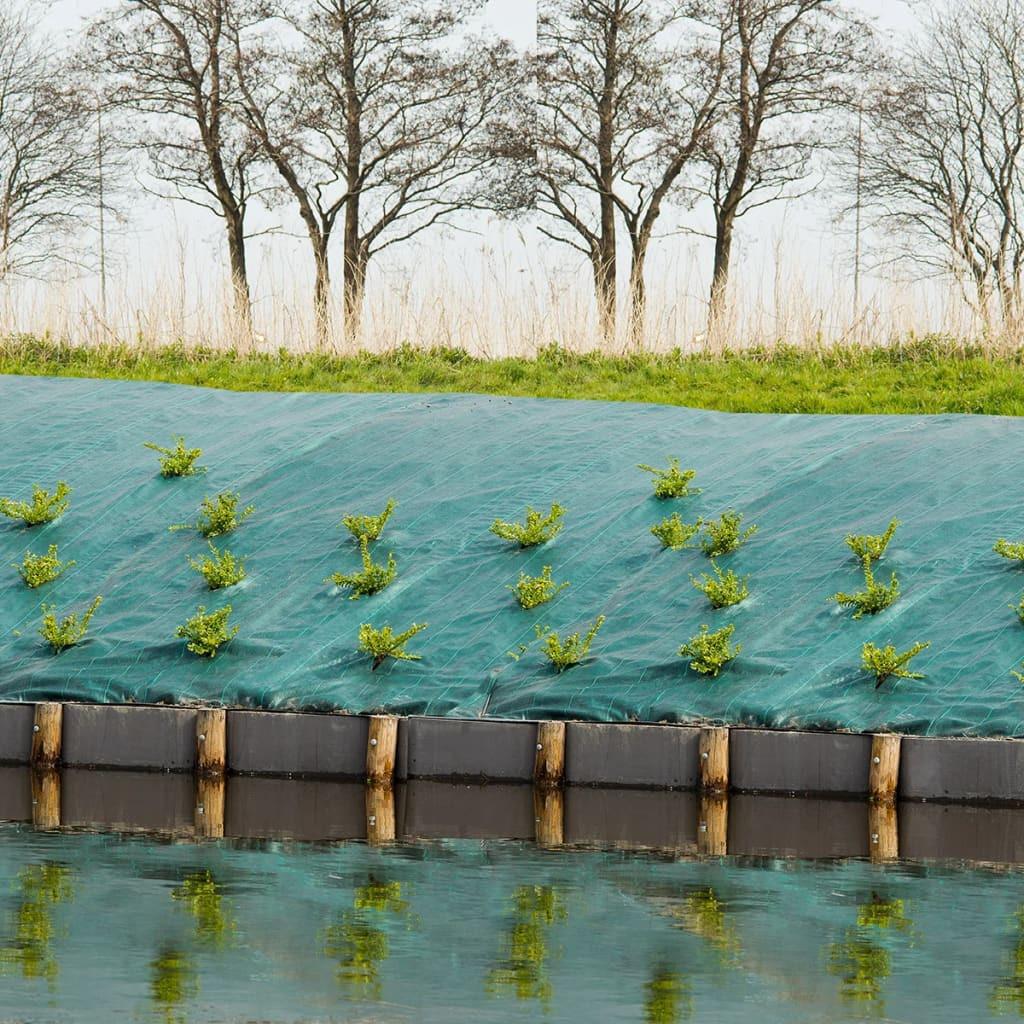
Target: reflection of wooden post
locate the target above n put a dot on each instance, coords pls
(380, 814)
(549, 815)
(211, 741)
(714, 759)
(47, 727)
(549, 764)
(45, 798)
(713, 825)
(210, 798)
(381, 745)
(883, 831)
(884, 773)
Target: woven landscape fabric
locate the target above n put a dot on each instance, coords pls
(454, 463)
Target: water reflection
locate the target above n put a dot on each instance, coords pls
(203, 898)
(41, 888)
(703, 913)
(1008, 994)
(173, 980)
(667, 998)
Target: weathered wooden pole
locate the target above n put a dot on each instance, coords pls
(211, 742)
(47, 730)
(211, 793)
(45, 798)
(549, 815)
(380, 814)
(883, 831)
(381, 749)
(714, 759)
(549, 762)
(884, 771)
(713, 825)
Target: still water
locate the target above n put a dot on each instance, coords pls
(106, 928)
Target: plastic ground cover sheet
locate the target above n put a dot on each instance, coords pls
(454, 463)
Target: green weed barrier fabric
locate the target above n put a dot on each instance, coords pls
(454, 463)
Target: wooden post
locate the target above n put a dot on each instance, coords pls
(714, 759)
(883, 831)
(884, 773)
(211, 742)
(549, 764)
(713, 825)
(45, 798)
(380, 814)
(549, 815)
(47, 728)
(381, 748)
(210, 800)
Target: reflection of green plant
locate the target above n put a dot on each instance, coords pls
(384, 897)
(172, 981)
(36, 570)
(203, 898)
(703, 914)
(674, 533)
(667, 999)
(524, 969)
(42, 887)
(882, 913)
(44, 507)
(861, 966)
(1010, 991)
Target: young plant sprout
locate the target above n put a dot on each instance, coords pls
(724, 589)
(723, 534)
(61, 634)
(369, 527)
(1019, 675)
(538, 529)
(886, 662)
(179, 460)
(385, 643)
(871, 546)
(220, 568)
(672, 482)
(207, 633)
(709, 652)
(44, 507)
(36, 570)
(572, 650)
(1019, 609)
(218, 515)
(532, 591)
(371, 579)
(873, 598)
(1009, 549)
(674, 533)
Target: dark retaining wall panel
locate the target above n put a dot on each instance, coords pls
(782, 826)
(446, 810)
(294, 808)
(15, 794)
(282, 743)
(664, 820)
(451, 748)
(951, 832)
(108, 736)
(798, 762)
(16, 733)
(653, 756)
(127, 801)
(961, 769)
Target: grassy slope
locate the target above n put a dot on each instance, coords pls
(923, 377)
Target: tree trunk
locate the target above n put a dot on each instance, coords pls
(604, 290)
(240, 281)
(356, 257)
(322, 295)
(637, 295)
(720, 274)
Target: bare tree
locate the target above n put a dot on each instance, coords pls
(169, 62)
(378, 117)
(943, 151)
(627, 92)
(48, 151)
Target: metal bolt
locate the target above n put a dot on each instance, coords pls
(704, 755)
(373, 743)
(874, 838)
(877, 760)
(373, 819)
(202, 737)
(539, 747)
(703, 826)
(199, 809)
(35, 728)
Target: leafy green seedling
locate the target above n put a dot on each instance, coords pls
(1009, 549)
(369, 527)
(538, 529)
(724, 589)
(873, 598)
(674, 533)
(44, 507)
(532, 591)
(723, 534)
(371, 579)
(885, 662)
(207, 633)
(672, 482)
(220, 568)
(218, 515)
(871, 545)
(179, 460)
(36, 570)
(710, 651)
(64, 633)
(1019, 609)
(385, 643)
(1019, 675)
(572, 650)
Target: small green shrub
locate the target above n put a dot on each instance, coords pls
(873, 598)
(207, 633)
(710, 652)
(371, 579)
(36, 570)
(179, 460)
(385, 643)
(218, 515)
(723, 534)
(674, 533)
(220, 568)
(1019, 609)
(672, 482)
(537, 529)
(871, 545)
(1009, 549)
(1019, 675)
(724, 589)
(532, 591)
(885, 662)
(572, 650)
(44, 507)
(369, 527)
(64, 633)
